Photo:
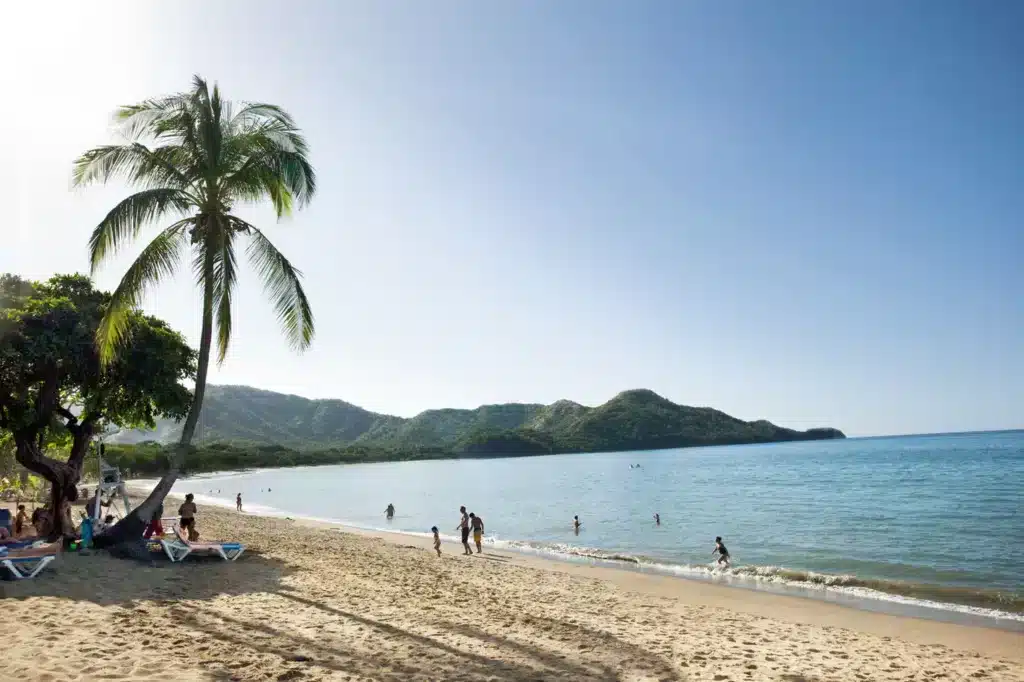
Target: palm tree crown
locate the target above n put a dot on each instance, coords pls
(193, 157)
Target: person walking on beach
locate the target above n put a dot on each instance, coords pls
(478, 530)
(238, 502)
(390, 511)
(437, 540)
(187, 512)
(723, 553)
(464, 527)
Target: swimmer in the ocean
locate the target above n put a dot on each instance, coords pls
(723, 553)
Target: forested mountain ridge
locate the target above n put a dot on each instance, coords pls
(636, 419)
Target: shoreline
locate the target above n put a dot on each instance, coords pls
(867, 601)
(310, 601)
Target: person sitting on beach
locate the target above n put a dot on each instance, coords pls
(90, 506)
(437, 540)
(723, 553)
(390, 511)
(478, 530)
(464, 528)
(187, 512)
(41, 521)
(238, 502)
(155, 525)
(20, 521)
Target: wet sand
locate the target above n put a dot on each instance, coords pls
(310, 603)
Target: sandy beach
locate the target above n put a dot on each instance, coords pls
(307, 602)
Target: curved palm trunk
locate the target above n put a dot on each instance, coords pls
(127, 534)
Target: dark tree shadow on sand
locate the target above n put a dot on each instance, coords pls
(430, 658)
(102, 579)
(383, 651)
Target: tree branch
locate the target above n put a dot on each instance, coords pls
(67, 414)
(73, 424)
(46, 401)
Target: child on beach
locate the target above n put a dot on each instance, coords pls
(723, 553)
(437, 540)
(20, 521)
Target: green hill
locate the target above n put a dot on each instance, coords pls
(632, 420)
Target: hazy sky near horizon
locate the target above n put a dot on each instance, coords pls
(810, 212)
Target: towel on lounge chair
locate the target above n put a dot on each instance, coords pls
(27, 562)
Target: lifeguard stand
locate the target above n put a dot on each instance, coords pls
(110, 484)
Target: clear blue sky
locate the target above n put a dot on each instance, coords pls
(809, 212)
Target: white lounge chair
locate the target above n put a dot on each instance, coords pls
(179, 547)
(27, 562)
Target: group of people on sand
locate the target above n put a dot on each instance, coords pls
(25, 526)
(40, 522)
(469, 522)
(186, 520)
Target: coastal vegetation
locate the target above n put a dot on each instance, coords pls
(193, 157)
(54, 393)
(246, 427)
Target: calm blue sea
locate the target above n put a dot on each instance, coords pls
(931, 521)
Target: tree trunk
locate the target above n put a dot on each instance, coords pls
(127, 533)
(62, 476)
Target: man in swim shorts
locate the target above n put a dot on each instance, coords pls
(478, 530)
(464, 527)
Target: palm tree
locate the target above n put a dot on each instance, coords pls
(193, 157)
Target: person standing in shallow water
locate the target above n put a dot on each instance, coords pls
(576, 524)
(464, 528)
(390, 511)
(723, 553)
(657, 519)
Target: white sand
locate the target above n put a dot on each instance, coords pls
(309, 603)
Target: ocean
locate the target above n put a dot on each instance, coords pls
(929, 526)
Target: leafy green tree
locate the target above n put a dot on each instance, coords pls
(54, 388)
(193, 158)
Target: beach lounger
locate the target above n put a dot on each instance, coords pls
(27, 562)
(179, 547)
